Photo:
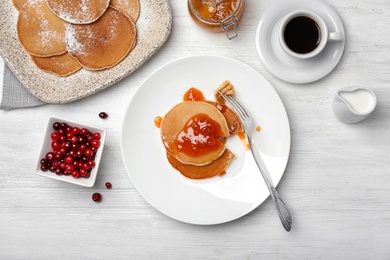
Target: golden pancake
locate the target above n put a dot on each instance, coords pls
(225, 88)
(217, 167)
(104, 43)
(78, 11)
(129, 7)
(61, 65)
(173, 128)
(41, 32)
(233, 121)
(19, 3)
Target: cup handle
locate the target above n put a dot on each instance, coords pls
(335, 37)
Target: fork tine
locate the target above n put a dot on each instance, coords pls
(235, 105)
(240, 106)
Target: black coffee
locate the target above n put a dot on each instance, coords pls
(302, 34)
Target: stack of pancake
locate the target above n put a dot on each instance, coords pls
(63, 36)
(200, 163)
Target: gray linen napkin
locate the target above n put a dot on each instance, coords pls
(15, 95)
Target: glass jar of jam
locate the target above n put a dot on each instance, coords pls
(217, 15)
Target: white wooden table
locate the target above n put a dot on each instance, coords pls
(337, 182)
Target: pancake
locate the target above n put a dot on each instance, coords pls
(232, 120)
(60, 65)
(41, 32)
(129, 7)
(216, 168)
(19, 3)
(104, 43)
(78, 11)
(175, 121)
(225, 88)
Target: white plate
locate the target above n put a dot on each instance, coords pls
(219, 199)
(286, 67)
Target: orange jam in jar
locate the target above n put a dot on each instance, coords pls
(217, 15)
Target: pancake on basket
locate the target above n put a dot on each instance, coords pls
(41, 32)
(104, 43)
(129, 7)
(78, 11)
(60, 65)
(19, 3)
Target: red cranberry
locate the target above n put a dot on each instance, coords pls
(62, 165)
(69, 135)
(82, 147)
(75, 174)
(63, 138)
(69, 168)
(95, 143)
(56, 126)
(55, 145)
(83, 172)
(108, 185)
(59, 171)
(88, 152)
(82, 139)
(75, 147)
(97, 197)
(55, 136)
(103, 115)
(84, 131)
(49, 156)
(63, 126)
(75, 130)
(90, 138)
(68, 159)
(91, 163)
(44, 168)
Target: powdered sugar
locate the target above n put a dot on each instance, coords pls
(40, 31)
(73, 45)
(78, 11)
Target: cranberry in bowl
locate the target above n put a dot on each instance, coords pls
(71, 152)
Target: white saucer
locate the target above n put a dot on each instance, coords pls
(286, 67)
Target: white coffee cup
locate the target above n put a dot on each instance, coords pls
(324, 36)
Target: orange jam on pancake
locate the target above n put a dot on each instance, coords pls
(193, 94)
(200, 135)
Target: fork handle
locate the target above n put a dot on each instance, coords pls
(281, 207)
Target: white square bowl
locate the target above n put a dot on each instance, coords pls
(46, 147)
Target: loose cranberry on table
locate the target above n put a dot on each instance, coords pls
(103, 115)
(97, 197)
(73, 151)
(108, 185)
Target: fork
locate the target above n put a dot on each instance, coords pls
(247, 124)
